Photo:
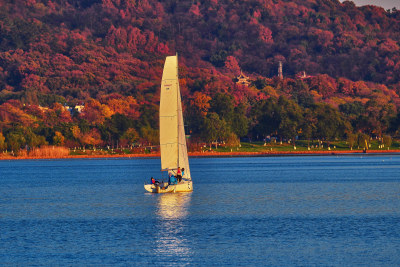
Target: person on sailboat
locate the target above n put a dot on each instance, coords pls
(172, 179)
(179, 175)
(154, 181)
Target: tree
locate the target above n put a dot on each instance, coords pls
(3, 144)
(58, 139)
(149, 116)
(301, 94)
(113, 128)
(93, 112)
(240, 122)
(387, 140)
(259, 83)
(232, 65)
(149, 135)
(121, 122)
(218, 59)
(33, 140)
(201, 103)
(379, 116)
(197, 110)
(222, 104)
(92, 138)
(129, 137)
(351, 139)
(330, 124)
(291, 118)
(76, 132)
(354, 112)
(309, 125)
(395, 124)
(265, 118)
(232, 140)
(214, 129)
(324, 85)
(15, 140)
(363, 140)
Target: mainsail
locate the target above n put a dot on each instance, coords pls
(172, 132)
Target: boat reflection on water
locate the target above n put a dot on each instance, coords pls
(173, 206)
(172, 243)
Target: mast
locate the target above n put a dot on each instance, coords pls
(177, 106)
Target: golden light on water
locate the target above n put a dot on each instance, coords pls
(173, 206)
(172, 210)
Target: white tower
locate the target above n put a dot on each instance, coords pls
(280, 73)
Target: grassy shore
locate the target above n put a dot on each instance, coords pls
(245, 149)
(299, 148)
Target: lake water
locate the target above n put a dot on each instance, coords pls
(256, 211)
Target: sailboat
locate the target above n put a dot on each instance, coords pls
(172, 132)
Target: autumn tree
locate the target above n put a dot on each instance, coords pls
(3, 144)
(232, 140)
(196, 111)
(92, 138)
(58, 139)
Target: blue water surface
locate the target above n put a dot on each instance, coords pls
(255, 211)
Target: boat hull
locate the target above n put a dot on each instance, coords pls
(185, 186)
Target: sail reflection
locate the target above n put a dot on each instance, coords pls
(171, 240)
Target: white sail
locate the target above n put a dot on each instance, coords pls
(172, 132)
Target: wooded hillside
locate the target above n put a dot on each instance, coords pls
(341, 69)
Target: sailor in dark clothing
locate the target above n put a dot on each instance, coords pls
(179, 174)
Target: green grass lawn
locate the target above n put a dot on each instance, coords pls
(301, 145)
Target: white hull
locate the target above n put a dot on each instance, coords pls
(184, 186)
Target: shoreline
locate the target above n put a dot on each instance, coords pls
(218, 154)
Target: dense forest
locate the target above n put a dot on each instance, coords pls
(87, 72)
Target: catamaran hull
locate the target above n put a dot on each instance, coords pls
(165, 188)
